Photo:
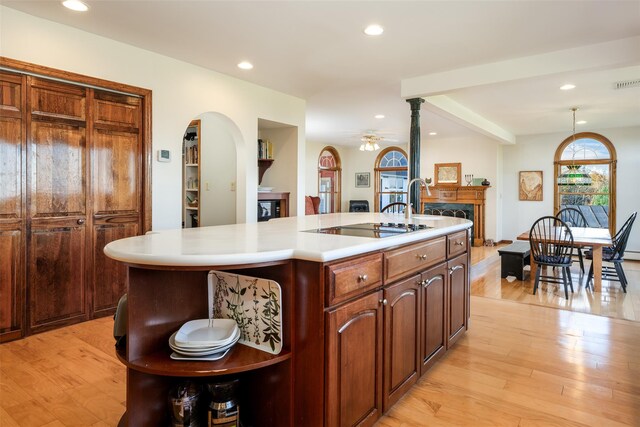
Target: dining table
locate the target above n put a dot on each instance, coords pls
(596, 238)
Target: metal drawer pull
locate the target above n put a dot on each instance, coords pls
(383, 301)
(422, 257)
(433, 279)
(459, 243)
(80, 221)
(362, 278)
(452, 269)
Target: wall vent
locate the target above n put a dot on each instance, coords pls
(625, 84)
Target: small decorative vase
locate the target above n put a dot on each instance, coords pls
(486, 182)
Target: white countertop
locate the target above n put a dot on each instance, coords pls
(274, 240)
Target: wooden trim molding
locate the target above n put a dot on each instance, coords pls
(612, 161)
(470, 194)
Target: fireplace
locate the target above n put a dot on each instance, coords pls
(456, 210)
(458, 201)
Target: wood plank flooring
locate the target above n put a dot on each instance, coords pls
(518, 365)
(611, 302)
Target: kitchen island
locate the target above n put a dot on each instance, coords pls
(362, 317)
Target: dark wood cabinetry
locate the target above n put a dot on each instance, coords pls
(12, 210)
(458, 297)
(354, 340)
(433, 342)
(354, 363)
(401, 338)
(74, 176)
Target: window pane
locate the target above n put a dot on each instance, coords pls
(585, 149)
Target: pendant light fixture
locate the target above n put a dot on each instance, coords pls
(575, 175)
(370, 143)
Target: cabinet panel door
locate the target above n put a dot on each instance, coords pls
(11, 284)
(56, 170)
(434, 309)
(401, 338)
(457, 297)
(116, 176)
(56, 276)
(109, 277)
(354, 363)
(11, 146)
(57, 205)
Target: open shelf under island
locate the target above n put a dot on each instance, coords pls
(340, 296)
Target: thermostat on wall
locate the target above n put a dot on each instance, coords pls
(164, 155)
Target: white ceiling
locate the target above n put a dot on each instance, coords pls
(316, 50)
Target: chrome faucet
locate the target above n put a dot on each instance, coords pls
(407, 211)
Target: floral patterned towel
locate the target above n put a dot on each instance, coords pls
(255, 304)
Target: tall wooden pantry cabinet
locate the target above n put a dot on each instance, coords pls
(74, 175)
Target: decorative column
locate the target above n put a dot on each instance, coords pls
(414, 151)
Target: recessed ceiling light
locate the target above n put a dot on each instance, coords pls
(373, 30)
(433, 133)
(581, 122)
(379, 116)
(245, 65)
(76, 5)
(567, 86)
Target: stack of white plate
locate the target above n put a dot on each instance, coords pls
(204, 339)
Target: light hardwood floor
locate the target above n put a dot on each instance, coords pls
(612, 302)
(518, 365)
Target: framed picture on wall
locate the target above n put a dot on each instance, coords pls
(530, 185)
(447, 173)
(362, 179)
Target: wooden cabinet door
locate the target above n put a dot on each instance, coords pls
(354, 363)
(434, 308)
(116, 183)
(458, 301)
(57, 205)
(401, 338)
(12, 218)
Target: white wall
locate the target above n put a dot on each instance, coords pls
(280, 175)
(536, 152)
(181, 91)
(218, 169)
(353, 161)
(479, 156)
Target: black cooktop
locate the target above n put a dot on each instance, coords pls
(371, 229)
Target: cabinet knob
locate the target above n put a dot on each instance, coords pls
(383, 301)
(459, 243)
(422, 257)
(80, 221)
(362, 278)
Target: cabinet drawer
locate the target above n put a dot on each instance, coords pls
(457, 243)
(351, 278)
(403, 261)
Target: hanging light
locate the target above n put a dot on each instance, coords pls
(370, 143)
(575, 175)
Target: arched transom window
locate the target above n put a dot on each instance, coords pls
(329, 174)
(585, 178)
(392, 174)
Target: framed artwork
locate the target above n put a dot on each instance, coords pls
(447, 173)
(362, 179)
(530, 185)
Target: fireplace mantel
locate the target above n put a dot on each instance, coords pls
(469, 194)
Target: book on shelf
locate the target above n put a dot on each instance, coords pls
(265, 149)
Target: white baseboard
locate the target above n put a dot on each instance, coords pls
(632, 255)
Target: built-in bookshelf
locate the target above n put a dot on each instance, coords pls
(265, 157)
(191, 176)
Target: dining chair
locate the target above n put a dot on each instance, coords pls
(396, 207)
(574, 218)
(551, 243)
(614, 254)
